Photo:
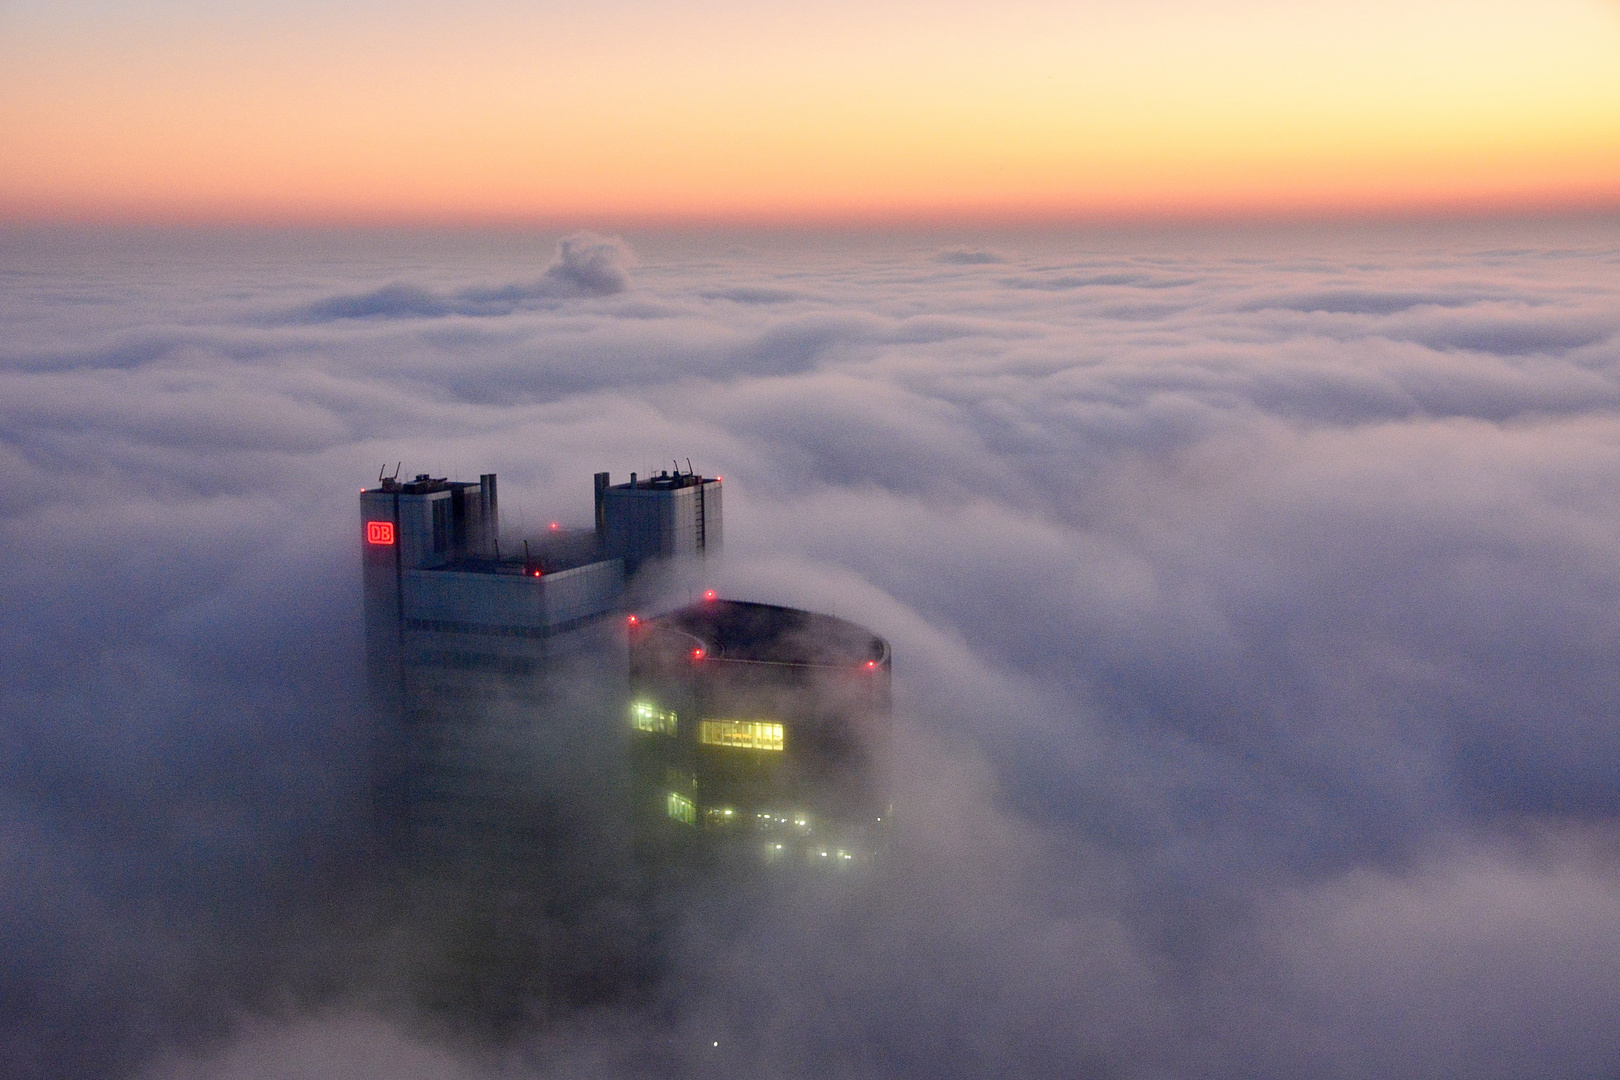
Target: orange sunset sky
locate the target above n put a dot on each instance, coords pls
(495, 110)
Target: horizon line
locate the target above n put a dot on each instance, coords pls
(1433, 211)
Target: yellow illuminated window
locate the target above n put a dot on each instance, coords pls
(744, 734)
(782, 821)
(681, 808)
(648, 717)
(719, 816)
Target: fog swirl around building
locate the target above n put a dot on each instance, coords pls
(725, 740)
(761, 728)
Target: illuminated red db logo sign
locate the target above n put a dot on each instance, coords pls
(379, 532)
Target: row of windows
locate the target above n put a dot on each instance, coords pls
(444, 626)
(648, 717)
(742, 734)
(441, 526)
(681, 808)
(737, 734)
(832, 858)
(684, 808)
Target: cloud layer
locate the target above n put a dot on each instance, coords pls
(1254, 600)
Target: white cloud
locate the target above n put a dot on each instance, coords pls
(1253, 600)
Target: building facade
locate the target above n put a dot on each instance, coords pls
(760, 730)
(669, 515)
(435, 574)
(752, 730)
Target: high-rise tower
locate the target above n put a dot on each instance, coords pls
(760, 729)
(471, 636)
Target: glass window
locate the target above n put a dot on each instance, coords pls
(649, 717)
(441, 525)
(743, 734)
(681, 808)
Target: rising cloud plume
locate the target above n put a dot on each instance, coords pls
(586, 265)
(1253, 599)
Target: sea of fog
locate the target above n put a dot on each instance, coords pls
(1254, 594)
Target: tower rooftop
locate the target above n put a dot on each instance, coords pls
(766, 633)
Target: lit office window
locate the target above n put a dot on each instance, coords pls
(681, 808)
(648, 717)
(719, 817)
(742, 734)
(773, 821)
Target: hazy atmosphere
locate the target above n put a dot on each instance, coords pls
(478, 111)
(1254, 597)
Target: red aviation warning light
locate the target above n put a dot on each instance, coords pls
(871, 665)
(379, 532)
(634, 621)
(697, 654)
(708, 594)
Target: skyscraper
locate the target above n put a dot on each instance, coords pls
(752, 728)
(760, 730)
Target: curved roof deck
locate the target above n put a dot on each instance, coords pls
(765, 633)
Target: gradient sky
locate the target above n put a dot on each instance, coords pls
(356, 110)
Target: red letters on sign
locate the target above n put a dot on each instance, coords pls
(379, 532)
